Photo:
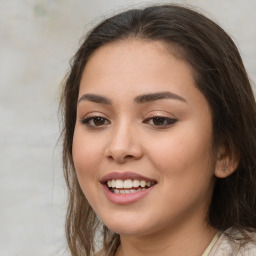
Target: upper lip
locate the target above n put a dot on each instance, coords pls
(124, 176)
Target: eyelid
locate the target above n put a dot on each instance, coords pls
(159, 113)
(88, 117)
(168, 119)
(93, 114)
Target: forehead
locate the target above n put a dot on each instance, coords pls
(132, 63)
(138, 46)
(126, 52)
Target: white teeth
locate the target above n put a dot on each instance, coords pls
(119, 184)
(116, 191)
(136, 183)
(126, 191)
(129, 184)
(143, 183)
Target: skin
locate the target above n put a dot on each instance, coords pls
(171, 219)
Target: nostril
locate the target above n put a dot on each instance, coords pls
(122, 154)
(129, 156)
(120, 158)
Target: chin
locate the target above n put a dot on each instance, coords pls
(131, 227)
(127, 230)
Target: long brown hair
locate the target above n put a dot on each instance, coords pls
(219, 74)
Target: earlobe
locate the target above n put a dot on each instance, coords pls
(226, 163)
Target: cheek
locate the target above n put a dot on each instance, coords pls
(86, 156)
(86, 159)
(86, 148)
(184, 151)
(185, 165)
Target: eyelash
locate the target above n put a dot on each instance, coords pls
(87, 121)
(164, 121)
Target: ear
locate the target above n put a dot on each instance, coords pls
(226, 162)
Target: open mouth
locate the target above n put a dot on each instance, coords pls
(128, 186)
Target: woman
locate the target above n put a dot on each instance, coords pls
(159, 139)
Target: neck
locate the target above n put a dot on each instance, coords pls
(185, 241)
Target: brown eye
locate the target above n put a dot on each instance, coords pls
(160, 121)
(95, 121)
(98, 121)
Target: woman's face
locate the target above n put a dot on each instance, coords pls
(142, 144)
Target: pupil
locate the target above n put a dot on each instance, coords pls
(158, 121)
(99, 121)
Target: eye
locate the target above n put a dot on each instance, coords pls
(95, 121)
(160, 121)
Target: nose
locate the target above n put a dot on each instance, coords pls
(123, 145)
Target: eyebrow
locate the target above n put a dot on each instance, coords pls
(95, 98)
(157, 96)
(144, 98)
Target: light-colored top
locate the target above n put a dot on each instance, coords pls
(222, 245)
(212, 243)
(225, 246)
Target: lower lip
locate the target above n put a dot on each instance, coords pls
(126, 198)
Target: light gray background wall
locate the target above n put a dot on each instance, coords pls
(37, 39)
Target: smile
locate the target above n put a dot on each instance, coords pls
(128, 186)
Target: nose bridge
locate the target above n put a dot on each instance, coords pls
(122, 137)
(123, 142)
